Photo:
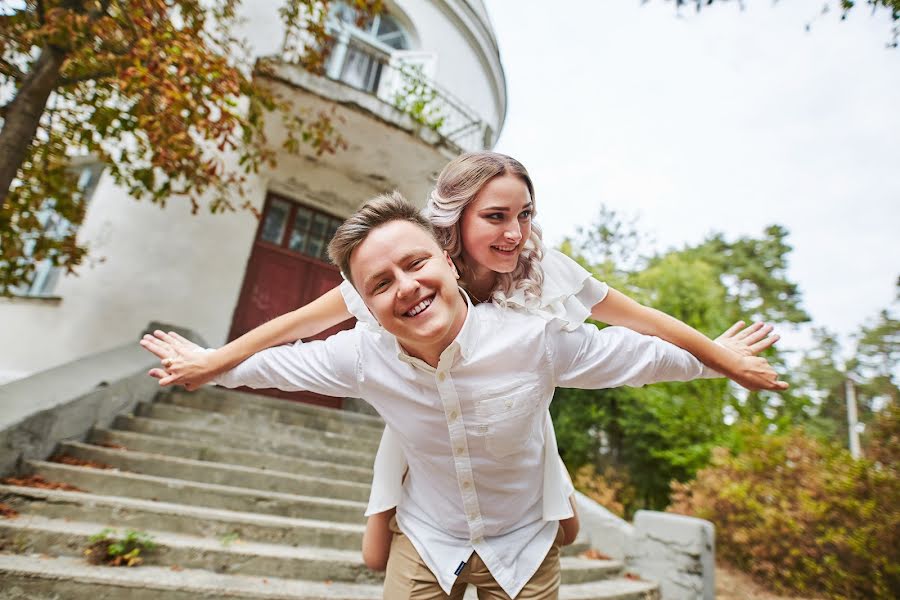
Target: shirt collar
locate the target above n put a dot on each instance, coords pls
(464, 343)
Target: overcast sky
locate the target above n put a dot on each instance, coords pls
(725, 121)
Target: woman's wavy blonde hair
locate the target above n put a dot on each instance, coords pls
(457, 185)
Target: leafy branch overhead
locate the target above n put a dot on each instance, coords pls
(163, 92)
(845, 6)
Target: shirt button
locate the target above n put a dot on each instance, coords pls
(452, 415)
(508, 403)
(460, 450)
(467, 484)
(442, 376)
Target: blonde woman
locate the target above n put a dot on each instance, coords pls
(482, 207)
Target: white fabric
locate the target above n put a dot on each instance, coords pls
(568, 294)
(472, 429)
(356, 306)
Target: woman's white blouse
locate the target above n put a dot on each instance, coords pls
(569, 293)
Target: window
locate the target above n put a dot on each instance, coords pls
(297, 228)
(383, 28)
(46, 275)
(361, 52)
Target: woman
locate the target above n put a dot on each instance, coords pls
(482, 208)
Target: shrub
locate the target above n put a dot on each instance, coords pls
(108, 548)
(801, 515)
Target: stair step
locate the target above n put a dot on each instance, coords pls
(40, 578)
(138, 513)
(243, 424)
(59, 537)
(133, 485)
(295, 448)
(199, 451)
(45, 578)
(278, 410)
(217, 473)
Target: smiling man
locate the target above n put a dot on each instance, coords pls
(466, 390)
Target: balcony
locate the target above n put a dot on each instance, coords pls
(399, 81)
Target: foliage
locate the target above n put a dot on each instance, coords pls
(418, 98)
(801, 515)
(108, 548)
(665, 432)
(872, 366)
(161, 91)
(611, 490)
(892, 6)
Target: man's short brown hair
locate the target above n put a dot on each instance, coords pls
(377, 211)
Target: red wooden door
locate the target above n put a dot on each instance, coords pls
(287, 269)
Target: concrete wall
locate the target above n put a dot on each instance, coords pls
(65, 402)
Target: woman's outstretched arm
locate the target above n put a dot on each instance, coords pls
(752, 372)
(191, 367)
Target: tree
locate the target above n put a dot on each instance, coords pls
(651, 436)
(871, 366)
(162, 91)
(892, 6)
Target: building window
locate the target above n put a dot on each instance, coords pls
(46, 275)
(361, 52)
(383, 29)
(297, 228)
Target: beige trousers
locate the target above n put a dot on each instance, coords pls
(409, 578)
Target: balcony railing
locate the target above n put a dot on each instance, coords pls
(404, 85)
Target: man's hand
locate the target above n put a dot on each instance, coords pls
(748, 370)
(183, 362)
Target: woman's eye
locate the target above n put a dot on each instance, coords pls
(416, 264)
(495, 216)
(525, 214)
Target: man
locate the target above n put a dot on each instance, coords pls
(466, 389)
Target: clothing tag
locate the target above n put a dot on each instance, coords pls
(459, 568)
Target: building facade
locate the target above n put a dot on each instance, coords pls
(413, 88)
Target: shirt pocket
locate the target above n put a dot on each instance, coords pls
(509, 421)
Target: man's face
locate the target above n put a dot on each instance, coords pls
(409, 285)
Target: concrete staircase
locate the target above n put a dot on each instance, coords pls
(245, 497)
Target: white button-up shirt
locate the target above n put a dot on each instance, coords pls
(472, 428)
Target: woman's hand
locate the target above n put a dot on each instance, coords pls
(183, 362)
(747, 341)
(747, 369)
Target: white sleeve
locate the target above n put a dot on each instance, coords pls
(568, 294)
(387, 477)
(328, 367)
(356, 306)
(591, 358)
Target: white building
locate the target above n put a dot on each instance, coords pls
(223, 274)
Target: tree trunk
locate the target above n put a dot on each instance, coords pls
(23, 114)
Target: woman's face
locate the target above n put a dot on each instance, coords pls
(496, 225)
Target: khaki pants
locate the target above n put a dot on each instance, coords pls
(409, 578)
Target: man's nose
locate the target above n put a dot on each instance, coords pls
(406, 286)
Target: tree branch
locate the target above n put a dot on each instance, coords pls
(10, 70)
(100, 74)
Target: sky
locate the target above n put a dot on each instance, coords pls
(728, 120)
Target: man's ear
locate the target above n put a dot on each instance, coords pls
(451, 263)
